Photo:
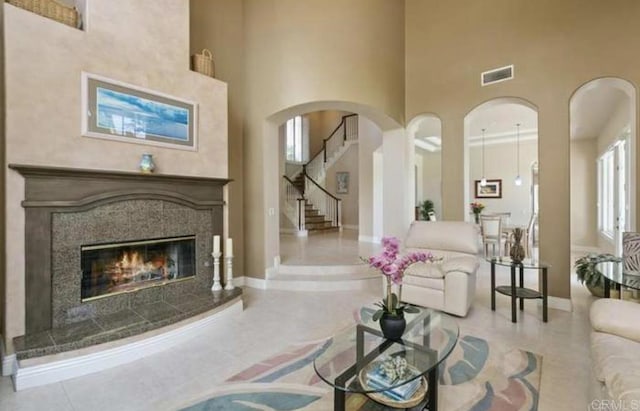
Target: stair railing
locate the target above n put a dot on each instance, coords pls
(326, 203)
(294, 204)
(345, 131)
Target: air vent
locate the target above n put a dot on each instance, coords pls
(497, 75)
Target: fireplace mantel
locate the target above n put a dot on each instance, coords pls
(53, 190)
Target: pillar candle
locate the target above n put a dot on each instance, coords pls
(216, 243)
(229, 249)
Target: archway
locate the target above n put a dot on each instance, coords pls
(603, 165)
(501, 145)
(425, 131)
(371, 119)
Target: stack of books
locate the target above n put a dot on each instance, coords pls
(376, 379)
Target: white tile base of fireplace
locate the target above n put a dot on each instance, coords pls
(63, 366)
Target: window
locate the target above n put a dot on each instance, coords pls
(297, 147)
(606, 193)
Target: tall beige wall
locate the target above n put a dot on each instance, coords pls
(348, 162)
(218, 26)
(2, 176)
(329, 53)
(126, 41)
(555, 47)
(584, 180)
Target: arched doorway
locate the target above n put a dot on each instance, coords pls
(425, 131)
(501, 146)
(370, 119)
(603, 165)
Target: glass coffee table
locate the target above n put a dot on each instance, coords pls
(429, 338)
(614, 272)
(519, 291)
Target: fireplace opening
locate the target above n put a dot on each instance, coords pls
(128, 266)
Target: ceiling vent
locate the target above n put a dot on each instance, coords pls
(497, 75)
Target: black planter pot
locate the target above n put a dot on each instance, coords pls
(392, 326)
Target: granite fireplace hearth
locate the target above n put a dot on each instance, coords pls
(112, 254)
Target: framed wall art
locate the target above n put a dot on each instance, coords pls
(342, 182)
(493, 189)
(124, 112)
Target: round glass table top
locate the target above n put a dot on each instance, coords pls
(526, 263)
(616, 272)
(353, 355)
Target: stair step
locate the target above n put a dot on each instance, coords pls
(314, 219)
(311, 213)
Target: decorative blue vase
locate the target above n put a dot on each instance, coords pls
(146, 163)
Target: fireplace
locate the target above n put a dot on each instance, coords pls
(114, 268)
(99, 242)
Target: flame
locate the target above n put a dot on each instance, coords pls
(132, 267)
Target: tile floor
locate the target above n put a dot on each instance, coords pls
(325, 248)
(272, 320)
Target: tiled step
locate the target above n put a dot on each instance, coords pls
(324, 278)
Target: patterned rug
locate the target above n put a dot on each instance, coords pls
(477, 376)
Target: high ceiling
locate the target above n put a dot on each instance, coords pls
(500, 119)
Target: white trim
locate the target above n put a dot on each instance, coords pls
(9, 363)
(350, 226)
(36, 375)
(584, 249)
(251, 282)
(369, 239)
(558, 303)
(296, 232)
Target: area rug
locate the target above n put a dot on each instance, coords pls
(477, 376)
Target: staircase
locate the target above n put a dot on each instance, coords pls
(309, 206)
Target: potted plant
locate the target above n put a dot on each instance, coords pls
(392, 266)
(426, 207)
(589, 275)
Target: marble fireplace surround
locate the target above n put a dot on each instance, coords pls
(66, 208)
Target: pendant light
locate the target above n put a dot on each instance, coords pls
(483, 180)
(518, 179)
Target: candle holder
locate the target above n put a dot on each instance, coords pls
(229, 281)
(216, 272)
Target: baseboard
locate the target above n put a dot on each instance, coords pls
(584, 249)
(563, 304)
(8, 361)
(245, 281)
(350, 226)
(293, 231)
(369, 239)
(55, 371)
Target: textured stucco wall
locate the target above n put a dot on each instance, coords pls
(129, 41)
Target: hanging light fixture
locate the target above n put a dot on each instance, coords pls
(518, 179)
(483, 180)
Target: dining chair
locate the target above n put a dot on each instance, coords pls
(631, 252)
(491, 227)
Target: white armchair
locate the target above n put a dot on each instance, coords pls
(448, 285)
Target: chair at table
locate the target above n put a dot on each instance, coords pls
(491, 227)
(631, 252)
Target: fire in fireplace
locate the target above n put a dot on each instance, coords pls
(127, 266)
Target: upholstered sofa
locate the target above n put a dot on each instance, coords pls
(449, 284)
(615, 352)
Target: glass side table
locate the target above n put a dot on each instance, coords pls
(519, 291)
(614, 272)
